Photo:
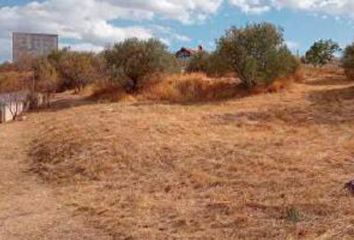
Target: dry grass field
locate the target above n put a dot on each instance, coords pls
(267, 166)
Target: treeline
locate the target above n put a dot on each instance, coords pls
(257, 54)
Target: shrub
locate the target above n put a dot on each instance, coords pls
(46, 78)
(25, 63)
(56, 57)
(77, 70)
(133, 61)
(8, 67)
(199, 63)
(212, 64)
(321, 52)
(257, 53)
(13, 81)
(348, 61)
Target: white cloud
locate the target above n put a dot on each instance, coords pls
(252, 6)
(167, 32)
(330, 7)
(186, 11)
(82, 20)
(90, 21)
(83, 47)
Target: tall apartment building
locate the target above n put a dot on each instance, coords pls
(32, 44)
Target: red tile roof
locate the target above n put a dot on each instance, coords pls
(188, 52)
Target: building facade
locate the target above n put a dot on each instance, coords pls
(33, 45)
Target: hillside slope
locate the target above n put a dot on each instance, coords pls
(29, 210)
(262, 167)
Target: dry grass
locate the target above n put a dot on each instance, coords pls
(311, 71)
(282, 83)
(110, 94)
(269, 166)
(193, 87)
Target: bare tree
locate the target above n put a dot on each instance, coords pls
(15, 102)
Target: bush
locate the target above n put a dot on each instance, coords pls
(56, 57)
(213, 64)
(199, 63)
(321, 52)
(13, 81)
(257, 53)
(77, 70)
(25, 63)
(133, 61)
(8, 67)
(348, 61)
(46, 78)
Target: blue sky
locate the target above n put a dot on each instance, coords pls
(92, 24)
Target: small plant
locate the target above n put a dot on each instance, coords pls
(257, 53)
(348, 61)
(293, 215)
(321, 52)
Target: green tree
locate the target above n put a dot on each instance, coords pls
(321, 52)
(257, 53)
(348, 61)
(132, 62)
(218, 65)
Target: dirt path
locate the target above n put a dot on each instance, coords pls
(28, 209)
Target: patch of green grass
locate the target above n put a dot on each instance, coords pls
(293, 215)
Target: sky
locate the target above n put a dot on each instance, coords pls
(92, 25)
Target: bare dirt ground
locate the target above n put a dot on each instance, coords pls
(270, 166)
(28, 209)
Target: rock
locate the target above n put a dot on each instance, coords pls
(350, 186)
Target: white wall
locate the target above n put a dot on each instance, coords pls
(8, 109)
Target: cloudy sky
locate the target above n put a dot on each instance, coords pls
(93, 24)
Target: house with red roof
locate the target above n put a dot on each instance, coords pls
(187, 53)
